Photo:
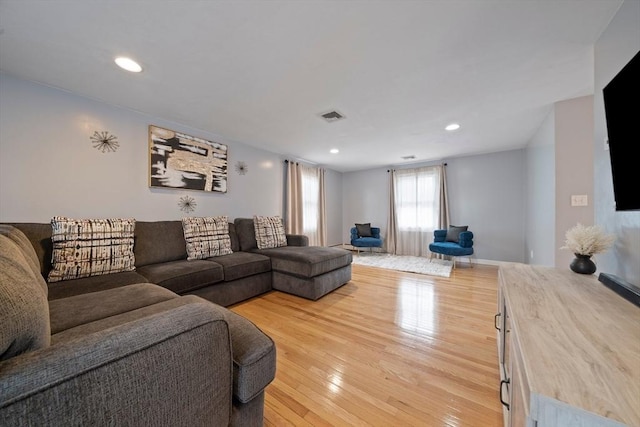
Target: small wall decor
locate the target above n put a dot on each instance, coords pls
(104, 141)
(187, 204)
(181, 161)
(241, 168)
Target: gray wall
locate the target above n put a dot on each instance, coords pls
(540, 194)
(485, 192)
(617, 45)
(333, 200)
(573, 169)
(365, 196)
(559, 162)
(49, 167)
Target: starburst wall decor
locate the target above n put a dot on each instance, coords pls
(104, 141)
(187, 204)
(241, 168)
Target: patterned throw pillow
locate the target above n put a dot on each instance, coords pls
(206, 237)
(91, 247)
(269, 232)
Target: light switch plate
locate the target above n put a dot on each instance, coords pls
(579, 200)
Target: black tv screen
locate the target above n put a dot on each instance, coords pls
(622, 111)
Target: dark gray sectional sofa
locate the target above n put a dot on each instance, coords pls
(161, 258)
(145, 347)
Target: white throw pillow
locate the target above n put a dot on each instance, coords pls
(91, 247)
(206, 237)
(269, 232)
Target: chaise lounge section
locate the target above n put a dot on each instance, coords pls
(310, 272)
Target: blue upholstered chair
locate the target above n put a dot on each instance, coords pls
(374, 241)
(455, 242)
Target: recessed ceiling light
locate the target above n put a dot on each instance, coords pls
(334, 151)
(128, 64)
(453, 126)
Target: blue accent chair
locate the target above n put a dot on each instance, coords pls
(366, 242)
(462, 248)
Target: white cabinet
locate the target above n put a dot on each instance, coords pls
(569, 350)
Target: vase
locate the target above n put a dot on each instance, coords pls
(582, 264)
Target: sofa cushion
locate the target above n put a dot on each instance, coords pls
(235, 243)
(450, 249)
(159, 241)
(206, 236)
(29, 253)
(453, 233)
(68, 288)
(66, 313)
(183, 276)
(91, 247)
(308, 261)
(39, 234)
(23, 303)
(242, 264)
(246, 232)
(269, 232)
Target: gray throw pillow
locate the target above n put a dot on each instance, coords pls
(453, 233)
(364, 230)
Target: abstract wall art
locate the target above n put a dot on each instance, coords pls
(177, 160)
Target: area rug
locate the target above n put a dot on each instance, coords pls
(411, 264)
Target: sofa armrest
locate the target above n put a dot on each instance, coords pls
(465, 239)
(353, 233)
(375, 232)
(297, 240)
(169, 368)
(439, 235)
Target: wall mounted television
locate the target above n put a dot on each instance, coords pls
(622, 112)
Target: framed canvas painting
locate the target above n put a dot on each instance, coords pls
(177, 160)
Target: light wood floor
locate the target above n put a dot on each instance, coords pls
(386, 349)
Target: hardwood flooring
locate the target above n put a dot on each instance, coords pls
(386, 349)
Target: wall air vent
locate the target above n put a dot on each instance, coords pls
(411, 157)
(332, 116)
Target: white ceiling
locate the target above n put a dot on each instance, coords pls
(261, 72)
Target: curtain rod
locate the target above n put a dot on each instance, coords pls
(444, 164)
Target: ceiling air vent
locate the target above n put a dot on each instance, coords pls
(411, 157)
(332, 116)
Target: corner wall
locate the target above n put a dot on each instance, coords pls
(617, 45)
(573, 169)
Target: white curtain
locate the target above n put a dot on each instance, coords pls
(414, 209)
(305, 200)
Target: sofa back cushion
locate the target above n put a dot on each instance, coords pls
(246, 234)
(24, 309)
(159, 241)
(39, 234)
(28, 251)
(235, 243)
(91, 247)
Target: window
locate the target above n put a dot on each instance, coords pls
(310, 200)
(417, 199)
